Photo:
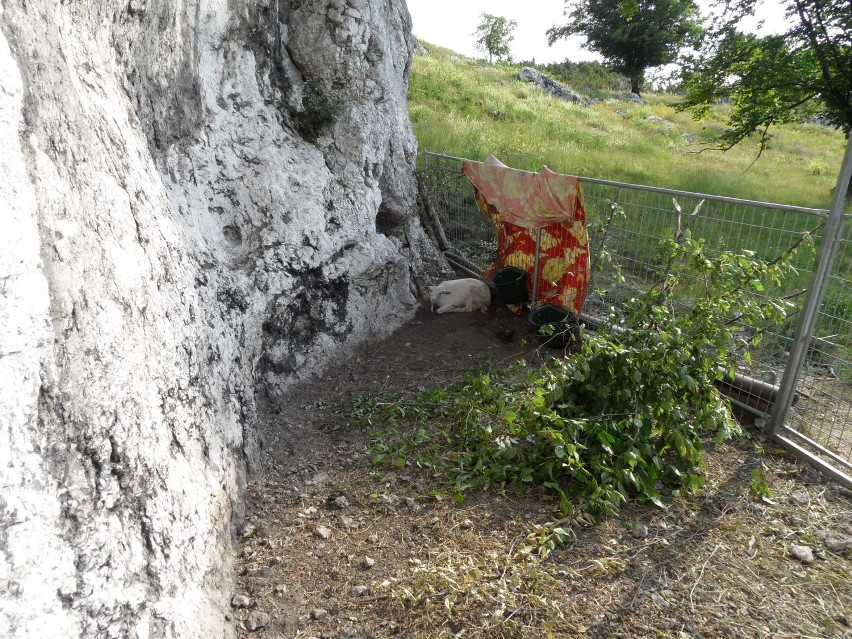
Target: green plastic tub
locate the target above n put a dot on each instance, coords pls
(511, 283)
(563, 323)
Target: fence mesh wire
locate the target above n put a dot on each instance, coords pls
(823, 414)
(626, 259)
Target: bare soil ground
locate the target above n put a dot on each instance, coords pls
(337, 547)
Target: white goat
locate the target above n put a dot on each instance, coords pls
(460, 296)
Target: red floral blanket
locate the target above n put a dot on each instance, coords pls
(519, 203)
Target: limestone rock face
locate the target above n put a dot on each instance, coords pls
(184, 225)
(549, 85)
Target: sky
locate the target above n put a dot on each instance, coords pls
(451, 24)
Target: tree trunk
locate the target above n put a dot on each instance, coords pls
(635, 81)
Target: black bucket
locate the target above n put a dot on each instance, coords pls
(511, 283)
(557, 328)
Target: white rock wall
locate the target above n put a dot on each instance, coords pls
(169, 238)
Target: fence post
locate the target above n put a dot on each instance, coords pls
(537, 267)
(819, 283)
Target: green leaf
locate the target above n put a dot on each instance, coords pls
(758, 483)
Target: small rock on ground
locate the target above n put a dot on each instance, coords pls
(322, 532)
(240, 601)
(262, 573)
(256, 621)
(800, 498)
(802, 553)
(836, 543)
(659, 600)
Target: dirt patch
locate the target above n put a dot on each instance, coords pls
(337, 547)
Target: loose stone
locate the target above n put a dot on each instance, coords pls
(800, 498)
(802, 553)
(256, 620)
(322, 532)
(835, 543)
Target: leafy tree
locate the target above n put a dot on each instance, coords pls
(494, 35)
(632, 35)
(803, 73)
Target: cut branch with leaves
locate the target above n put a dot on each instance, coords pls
(623, 418)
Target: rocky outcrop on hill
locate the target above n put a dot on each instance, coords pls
(197, 197)
(549, 85)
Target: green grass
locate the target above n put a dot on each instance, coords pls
(466, 108)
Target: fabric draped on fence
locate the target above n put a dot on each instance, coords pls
(521, 202)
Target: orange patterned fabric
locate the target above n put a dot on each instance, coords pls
(518, 203)
(523, 198)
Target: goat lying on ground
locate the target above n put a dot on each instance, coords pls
(460, 296)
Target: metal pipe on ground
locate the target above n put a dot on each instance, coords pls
(431, 215)
(537, 267)
(457, 261)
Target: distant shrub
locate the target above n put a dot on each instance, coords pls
(817, 167)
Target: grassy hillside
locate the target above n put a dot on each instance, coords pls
(466, 108)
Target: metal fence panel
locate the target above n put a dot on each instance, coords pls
(823, 411)
(828, 370)
(822, 418)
